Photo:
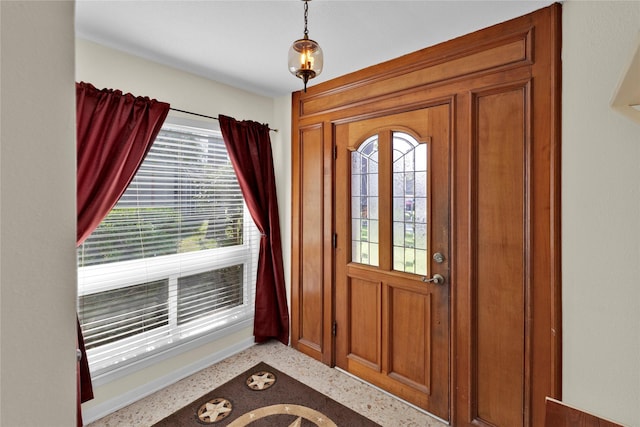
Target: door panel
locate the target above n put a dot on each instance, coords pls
(500, 282)
(311, 150)
(311, 308)
(409, 364)
(393, 214)
(364, 324)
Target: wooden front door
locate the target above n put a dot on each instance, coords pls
(392, 252)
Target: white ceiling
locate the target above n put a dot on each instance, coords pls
(245, 43)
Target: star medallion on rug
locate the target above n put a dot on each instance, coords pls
(261, 397)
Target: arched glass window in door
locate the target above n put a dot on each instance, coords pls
(364, 203)
(409, 204)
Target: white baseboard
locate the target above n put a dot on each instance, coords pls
(105, 408)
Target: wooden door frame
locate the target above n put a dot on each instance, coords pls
(430, 126)
(525, 48)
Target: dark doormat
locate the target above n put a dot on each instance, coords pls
(263, 396)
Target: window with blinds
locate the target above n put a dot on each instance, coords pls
(175, 258)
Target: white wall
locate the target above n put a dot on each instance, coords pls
(281, 144)
(601, 214)
(107, 68)
(38, 215)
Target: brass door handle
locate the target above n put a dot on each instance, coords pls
(438, 279)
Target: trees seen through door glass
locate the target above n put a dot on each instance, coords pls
(409, 204)
(364, 203)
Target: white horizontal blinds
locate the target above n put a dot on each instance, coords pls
(201, 293)
(176, 257)
(119, 313)
(185, 197)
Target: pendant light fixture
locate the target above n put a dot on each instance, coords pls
(305, 55)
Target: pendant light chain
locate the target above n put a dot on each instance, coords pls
(306, 16)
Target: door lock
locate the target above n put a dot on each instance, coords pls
(438, 257)
(436, 279)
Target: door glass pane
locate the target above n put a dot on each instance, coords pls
(409, 204)
(364, 203)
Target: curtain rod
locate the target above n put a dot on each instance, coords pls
(203, 115)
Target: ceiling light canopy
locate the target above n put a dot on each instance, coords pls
(305, 55)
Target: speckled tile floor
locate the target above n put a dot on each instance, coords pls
(362, 398)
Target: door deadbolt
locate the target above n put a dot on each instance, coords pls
(438, 257)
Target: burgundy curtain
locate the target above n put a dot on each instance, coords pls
(114, 133)
(249, 148)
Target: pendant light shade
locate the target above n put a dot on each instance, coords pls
(305, 55)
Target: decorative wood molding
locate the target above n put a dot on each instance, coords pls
(511, 74)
